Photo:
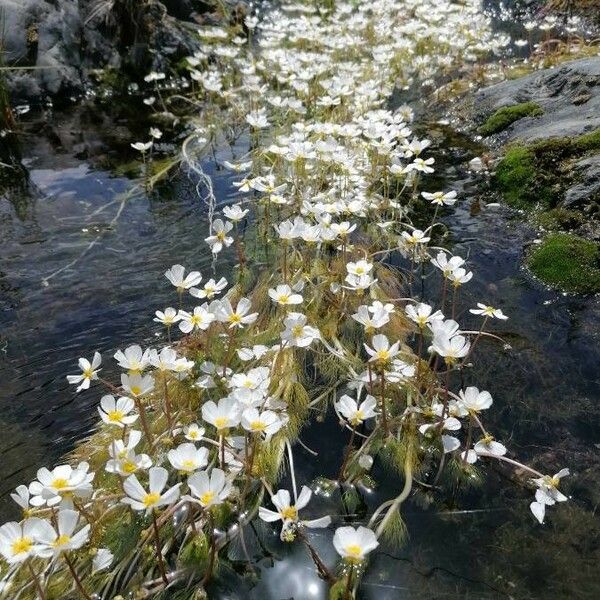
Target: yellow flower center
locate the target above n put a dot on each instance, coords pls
(221, 236)
(193, 435)
(221, 422)
(359, 270)
(129, 466)
(289, 512)
(61, 540)
(258, 426)
(357, 418)
(284, 298)
(136, 390)
(88, 373)
(189, 464)
(383, 355)
(207, 498)
(151, 499)
(297, 330)
(115, 416)
(59, 483)
(235, 318)
(196, 320)
(21, 545)
(353, 551)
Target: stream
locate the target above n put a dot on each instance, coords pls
(81, 265)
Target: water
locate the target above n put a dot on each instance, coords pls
(62, 298)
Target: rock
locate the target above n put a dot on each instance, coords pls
(569, 95)
(65, 39)
(587, 189)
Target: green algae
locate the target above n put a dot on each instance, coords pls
(507, 115)
(567, 262)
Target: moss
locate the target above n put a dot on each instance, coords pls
(538, 174)
(507, 115)
(560, 219)
(567, 262)
(589, 141)
(515, 177)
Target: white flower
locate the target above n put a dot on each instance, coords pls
(137, 385)
(416, 237)
(257, 119)
(187, 458)
(61, 483)
(126, 462)
(361, 267)
(382, 352)
(354, 544)
(89, 371)
(422, 314)
(283, 294)
(21, 496)
(102, 560)
(238, 317)
(176, 275)
(18, 541)
(235, 212)
(288, 512)
(168, 317)
(223, 415)
(447, 265)
(354, 413)
(193, 432)
(117, 412)
(460, 276)
(200, 319)
(440, 198)
(451, 348)
(210, 290)
(62, 539)
(297, 332)
(474, 401)
(208, 490)
(488, 311)
(140, 499)
(133, 359)
(371, 319)
(155, 133)
(266, 422)
(489, 445)
(142, 147)
(547, 493)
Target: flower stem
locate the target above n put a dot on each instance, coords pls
(159, 556)
(36, 581)
(76, 577)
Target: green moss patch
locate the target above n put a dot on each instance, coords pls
(507, 115)
(538, 174)
(567, 262)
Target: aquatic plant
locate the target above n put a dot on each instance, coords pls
(195, 436)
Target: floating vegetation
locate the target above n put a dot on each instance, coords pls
(194, 436)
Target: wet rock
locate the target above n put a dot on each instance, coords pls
(568, 94)
(64, 39)
(587, 189)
